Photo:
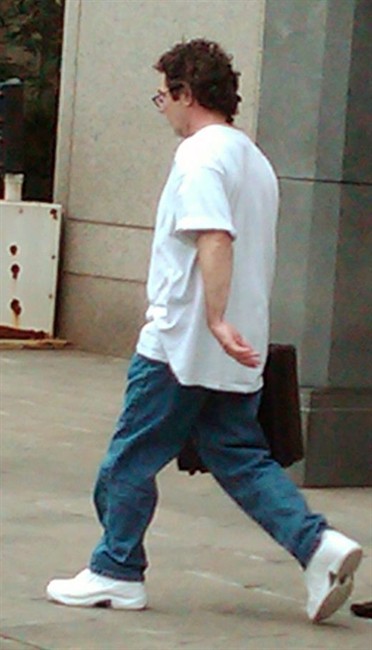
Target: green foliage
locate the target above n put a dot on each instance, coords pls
(32, 31)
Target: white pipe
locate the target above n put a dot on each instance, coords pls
(13, 187)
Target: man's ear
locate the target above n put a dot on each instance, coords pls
(186, 95)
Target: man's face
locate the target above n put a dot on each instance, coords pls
(175, 110)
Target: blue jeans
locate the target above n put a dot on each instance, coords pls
(158, 416)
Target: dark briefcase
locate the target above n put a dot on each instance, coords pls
(279, 412)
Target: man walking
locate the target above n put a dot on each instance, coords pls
(200, 356)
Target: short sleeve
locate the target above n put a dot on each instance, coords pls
(201, 203)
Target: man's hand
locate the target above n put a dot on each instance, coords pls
(234, 344)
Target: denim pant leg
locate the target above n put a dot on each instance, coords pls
(151, 430)
(234, 449)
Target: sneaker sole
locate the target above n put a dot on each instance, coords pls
(342, 588)
(113, 602)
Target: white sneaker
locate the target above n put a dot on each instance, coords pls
(329, 574)
(89, 589)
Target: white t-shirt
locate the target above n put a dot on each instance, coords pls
(219, 180)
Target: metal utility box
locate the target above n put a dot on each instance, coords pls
(29, 253)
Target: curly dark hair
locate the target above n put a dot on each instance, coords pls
(206, 69)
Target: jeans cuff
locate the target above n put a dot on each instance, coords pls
(126, 576)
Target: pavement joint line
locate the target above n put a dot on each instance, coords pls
(274, 594)
(216, 578)
(7, 637)
(145, 630)
(73, 428)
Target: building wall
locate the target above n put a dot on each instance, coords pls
(114, 150)
(351, 349)
(313, 123)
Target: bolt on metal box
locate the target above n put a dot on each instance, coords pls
(29, 255)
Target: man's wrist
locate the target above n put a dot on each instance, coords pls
(214, 324)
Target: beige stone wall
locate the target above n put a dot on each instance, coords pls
(114, 150)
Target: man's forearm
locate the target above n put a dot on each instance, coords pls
(215, 257)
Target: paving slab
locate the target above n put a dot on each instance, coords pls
(216, 580)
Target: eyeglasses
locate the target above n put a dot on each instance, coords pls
(159, 98)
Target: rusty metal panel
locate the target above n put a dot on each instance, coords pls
(29, 255)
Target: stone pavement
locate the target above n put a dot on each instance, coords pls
(216, 582)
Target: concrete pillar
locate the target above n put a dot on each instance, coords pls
(313, 123)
